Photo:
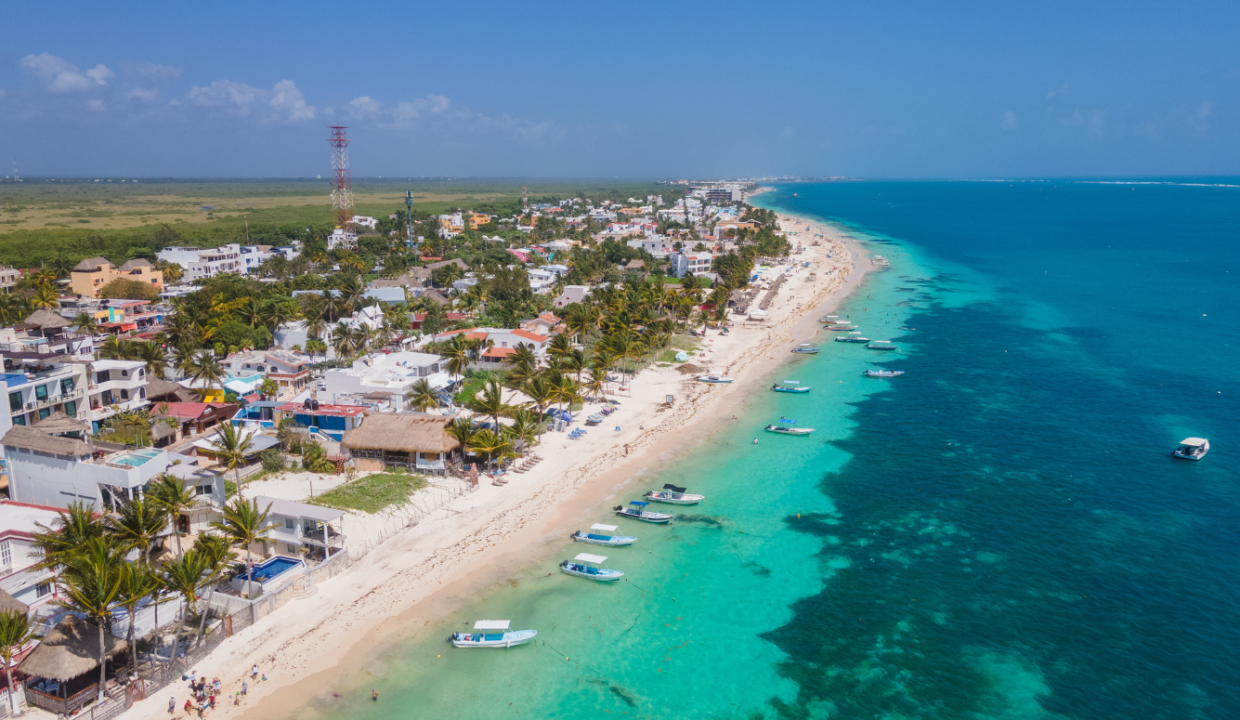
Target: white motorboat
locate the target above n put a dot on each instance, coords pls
(883, 373)
(1193, 448)
(492, 634)
(637, 510)
(674, 495)
(590, 567)
(606, 535)
(718, 379)
(882, 345)
(805, 349)
(784, 427)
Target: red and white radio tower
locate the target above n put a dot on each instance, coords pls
(342, 186)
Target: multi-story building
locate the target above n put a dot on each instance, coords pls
(696, 263)
(289, 370)
(37, 392)
(342, 238)
(451, 225)
(8, 278)
(93, 274)
(115, 386)
(22, 573)
(203, 263)
(394, 373)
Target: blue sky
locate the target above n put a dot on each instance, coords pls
(635, 89)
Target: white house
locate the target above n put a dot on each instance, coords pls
(116, 386)
(20, 574)
(572, 294)
(203, 263)
(364, 221)
(696, 263)
(341, 238)
(394, 374)
(298, 527)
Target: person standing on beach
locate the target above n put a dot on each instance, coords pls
(245, 687)
(374, 695)
(254, 673)
(172, 705)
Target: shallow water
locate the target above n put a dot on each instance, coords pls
(1000, 533)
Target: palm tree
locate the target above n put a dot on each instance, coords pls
(343, 341)
(523, 357)
(490, 402)
(268, 388)
(596, 383)
(15, 632)
(462, 430)
(422, 396)
(251, 313)
(489, 442)
(216, 554)
(92, 579)
(155, 356)
(85, 324)
(560, 346)
(174, 498)
(526, 427)
(458, 355)
(205, 369)
(184, 575)
(243, 525)
(575, 362)
(233, 445)
(72, 529)
(45, 298)
(113, 348)
(315, 346)
(137, 524)
(540, 393)
(138, 580)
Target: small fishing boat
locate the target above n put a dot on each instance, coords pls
(853, 337)
(674, 495)
(492, 634)
(839, 328)
(1193, 448)
(828, 319)
(884, 373)
(784, 427)
(605, 536)
(791, 386)
(717, 379)
(638, 511)
(884, 345)
(590, 567)
(805, 349)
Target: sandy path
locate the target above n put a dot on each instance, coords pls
(420, 574)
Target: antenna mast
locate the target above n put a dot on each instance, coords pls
(525, 198)
(342, 185)
(409, 215)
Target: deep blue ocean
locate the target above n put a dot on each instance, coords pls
(999, 533)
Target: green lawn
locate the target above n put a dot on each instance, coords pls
(373, 492)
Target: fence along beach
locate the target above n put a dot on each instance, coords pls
(420, 573)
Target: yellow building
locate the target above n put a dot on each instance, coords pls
(92, 274)
(477, 220)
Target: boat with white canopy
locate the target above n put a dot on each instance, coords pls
(674, 495)
(492, 634)
(637, 510)
(883, 373)
(805, 349)
(605, 535)
(884, 345)
(1193, 448)
(853, 337)
(590, 567)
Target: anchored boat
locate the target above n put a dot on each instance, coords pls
(590, 567)
(718, 379)
(1193, 448)
(791, 386)
(884, 373)
(784, 427)
(492, 634)
(605, 536)
(674, 495)
(805, 349)
(840, 327)
(638, 511)
(853, 337)
(884, 345)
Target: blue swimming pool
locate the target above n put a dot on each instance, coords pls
(135, 458)
(269, 570)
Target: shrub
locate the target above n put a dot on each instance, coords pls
(272, 460)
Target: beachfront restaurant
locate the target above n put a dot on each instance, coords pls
(418, 442)
(64, 669)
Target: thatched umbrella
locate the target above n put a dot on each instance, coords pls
(71, 649)
(8, 602)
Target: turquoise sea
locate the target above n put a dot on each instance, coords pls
(999, 533)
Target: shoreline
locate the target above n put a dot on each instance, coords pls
(417, 577)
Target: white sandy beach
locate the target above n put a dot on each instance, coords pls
(406, 577)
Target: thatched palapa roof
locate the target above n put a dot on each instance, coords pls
(91, 264)
(29, 438)
(69, 650)
(8, 602)
(401, 432)
(59, 423)
(46, 319)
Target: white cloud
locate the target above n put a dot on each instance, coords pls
(150, 70)
(364, 107)
(285, 100)
(289, 103)
(1063, 91)
(237, 97)
(1009, 121)
(97, 105)
(62, 75)
(406, 112)
(142, 94)
(101, 74)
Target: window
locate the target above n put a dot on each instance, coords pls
(66, 386)
(71, 408)
(40, 391)
(6, 554)
(44, 413)
(124, 373)
(43, 589)
(19, 420)
(124, 394)
(288, 523)
(15, 401)
(205, 489)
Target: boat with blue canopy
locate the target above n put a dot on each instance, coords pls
(603, 535)
(791, 386)
(590, 567)
(637, 510)
(492, 634)
(785, 427)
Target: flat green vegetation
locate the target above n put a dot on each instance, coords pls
(372, 493)
(475, 380)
